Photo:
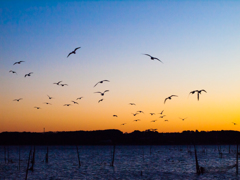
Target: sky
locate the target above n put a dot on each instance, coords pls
(197, 41)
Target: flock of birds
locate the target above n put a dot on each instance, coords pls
(59, 83)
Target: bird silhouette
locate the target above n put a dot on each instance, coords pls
(49, 97)
(29, 74)
(137, 120)
(234, 123)
(140, 112)
(102, 93)
(100, 100)
(67, 105)
(64, 85)
(152, 58)
(154, 120)
(74, 51)
(47, 103)
(183, 118)
(198, 92)
(170, 97)
(165, 120)
(19, 62)
(17, 99)
(74, 102)
(134, 114)
(161, 112)
(13, 71)
(101, 82)
(58, 83)
(115, 115)
(79, 98)
(123, 124)
(152, 114)
(132, 104)
(162, 116)
(37, 107)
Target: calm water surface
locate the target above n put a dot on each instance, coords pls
(131, 162)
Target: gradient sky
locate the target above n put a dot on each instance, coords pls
(198, 43)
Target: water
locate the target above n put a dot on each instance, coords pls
(131, 162)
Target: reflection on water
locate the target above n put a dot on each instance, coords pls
(131, 162)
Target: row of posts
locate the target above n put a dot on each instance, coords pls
(199, 169)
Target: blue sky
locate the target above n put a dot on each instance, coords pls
(198, 43)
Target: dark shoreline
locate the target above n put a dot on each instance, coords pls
(113, 136)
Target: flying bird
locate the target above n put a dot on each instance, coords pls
(47, 103)
(153, 120)
(100, 100)
(115, 115)
(161, 112)
(19, 62)
(66, 104)
(74, 51)
(17, 99)
(170, 97)
(101, 82)
(234, 123)
(137, 120)
(162, 116)
(132, 104)
(134, 114)
(152, 58)
(140, 112)
(37, 107)
(58, 83)
(183, 118)
(49, 97)
(102, 93)
(165, 120)
(152, 114)
(198, 92)
(123, 124)
(79, 98)
(29, 74)
(64, 85)
(74, 102)
(13, 71)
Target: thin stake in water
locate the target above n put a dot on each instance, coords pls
(79, 163)
(113, 154)
(28, 164)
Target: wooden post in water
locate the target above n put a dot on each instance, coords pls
(28, 164)
(113, 154)
(79, 163)
(237, 161)
(33, 160)
(197, 166)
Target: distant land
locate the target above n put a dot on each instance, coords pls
(113, 136)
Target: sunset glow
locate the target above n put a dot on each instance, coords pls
(198, 43)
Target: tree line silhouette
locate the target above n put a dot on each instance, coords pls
(113, 136)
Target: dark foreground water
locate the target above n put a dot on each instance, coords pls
(131, 162)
